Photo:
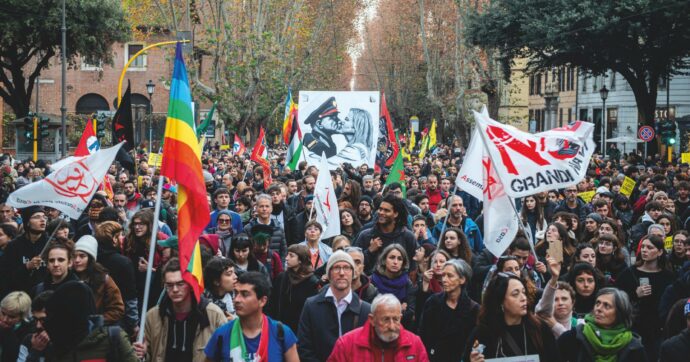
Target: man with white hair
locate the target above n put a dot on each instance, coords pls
(382, 338)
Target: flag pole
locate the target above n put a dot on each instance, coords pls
(149, 266)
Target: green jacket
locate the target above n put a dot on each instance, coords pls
(96, 347)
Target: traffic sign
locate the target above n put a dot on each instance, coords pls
(646, 133)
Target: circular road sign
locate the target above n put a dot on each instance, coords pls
(646, 133)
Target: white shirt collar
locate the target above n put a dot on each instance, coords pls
(347, 299)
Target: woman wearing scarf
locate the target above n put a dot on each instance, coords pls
(390, 276)
(292, 287)
(605, 336)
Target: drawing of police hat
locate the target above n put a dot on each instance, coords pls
(327, 109)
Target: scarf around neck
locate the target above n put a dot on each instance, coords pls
(396, 286)
(606, 343)
(238, 348)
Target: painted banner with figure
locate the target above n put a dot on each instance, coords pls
(342, 125)
(531, 163)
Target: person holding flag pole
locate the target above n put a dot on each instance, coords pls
(193, 318)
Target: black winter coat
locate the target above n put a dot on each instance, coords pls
(13, 272)
(443, 330)
(318, 325)
(575, 348)
(277, 242)
(121, 269)
(401, 235)
(287, 300)
(676, 348)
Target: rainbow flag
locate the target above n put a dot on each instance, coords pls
(182, 163)
(289, 118)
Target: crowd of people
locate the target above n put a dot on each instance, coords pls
(593, 275)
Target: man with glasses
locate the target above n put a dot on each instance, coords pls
(21, 267)
(179, 328)
(335, 305)
(573, 204)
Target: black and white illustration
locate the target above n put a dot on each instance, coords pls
(341, 125)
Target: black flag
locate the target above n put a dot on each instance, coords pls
(123, 128)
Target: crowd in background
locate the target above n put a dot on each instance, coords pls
(598, 275)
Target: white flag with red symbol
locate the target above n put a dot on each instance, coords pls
(325, 202)
(70, 187)
(532, 163)
(479, 179)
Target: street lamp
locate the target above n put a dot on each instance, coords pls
(150, 87)
(604, 93)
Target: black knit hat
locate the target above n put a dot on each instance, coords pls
(28, 212)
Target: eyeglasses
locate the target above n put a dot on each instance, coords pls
(96, 206)
(138, 223)
(570, 191)
(223, 221)
(39, 217)
(179, 285)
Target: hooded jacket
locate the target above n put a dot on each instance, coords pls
(208, 316)
(18, 252)
(367, 291)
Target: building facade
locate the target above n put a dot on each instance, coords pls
(621, 117)
(551, 97)
(514, 97)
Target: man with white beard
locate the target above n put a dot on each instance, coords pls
(381, 338)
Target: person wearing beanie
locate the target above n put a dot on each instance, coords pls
(22, 267)
(107, 295)
(76, 334)
(335, 305)
(677, 348)
(364, 209)
(292, 287)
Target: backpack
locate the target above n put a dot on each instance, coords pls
(113, 354)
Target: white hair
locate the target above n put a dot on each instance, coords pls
(385, 299)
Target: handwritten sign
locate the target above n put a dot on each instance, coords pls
(685, 157)
(155, 160)
(224, 147)
(627, 187)
(587, 196)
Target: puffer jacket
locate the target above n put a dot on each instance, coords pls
(356, 346)
(209, 315)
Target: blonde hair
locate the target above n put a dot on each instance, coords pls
(17, 302)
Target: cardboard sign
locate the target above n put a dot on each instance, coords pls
(685, 157)
(528, 358)
(587, 196)
(627, 187)
(155, 160)
(556, 250)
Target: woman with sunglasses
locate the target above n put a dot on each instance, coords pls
(506, 327)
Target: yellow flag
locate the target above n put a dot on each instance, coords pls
(432, 135)
(413, 140)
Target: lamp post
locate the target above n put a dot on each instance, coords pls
(604, 93)
(150, 87)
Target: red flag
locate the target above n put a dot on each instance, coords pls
(260, 156)
(238, 147)
(88, 143)
(392, 144)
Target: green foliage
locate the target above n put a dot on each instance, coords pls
(642, 40)
(32, 29)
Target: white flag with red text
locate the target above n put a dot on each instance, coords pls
(532, 163)
(325, 202)
(479, 179)
(70, 187)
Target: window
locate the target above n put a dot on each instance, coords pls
(662, 82)
(595, 86)
(561, 86)
(560, 116)
(531, 87)
(546, 78)
(570, 115)
(612, 86)
(584, 83)
(138, 63)
(538, 85)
